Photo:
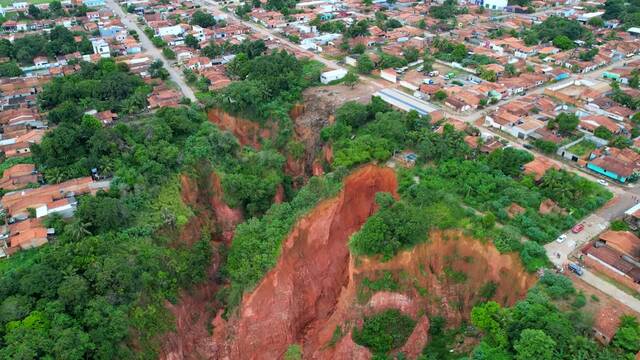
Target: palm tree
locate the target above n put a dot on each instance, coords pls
(78, 230)
(54, 175)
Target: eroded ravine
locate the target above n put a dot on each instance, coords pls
(296, 298)
(313, 289)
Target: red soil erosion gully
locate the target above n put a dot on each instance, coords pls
(313, 287)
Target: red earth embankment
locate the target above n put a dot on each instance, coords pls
(452, 267)
(296, 298)
(426, 288)
(246, 131)
(308, 121)
(316, 285)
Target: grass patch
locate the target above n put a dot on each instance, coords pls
(385, 283)
(441, 340)
(368, 287)
(457, 277)
(620, 286)
(336, 336)
(583, 148)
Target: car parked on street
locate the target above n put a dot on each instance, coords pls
(577, 269)
(578, 228)
(561, 238)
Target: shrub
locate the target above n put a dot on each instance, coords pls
(619, 225)
(384, 331)
(533, 256)
(628, 335)
(557, 286)
(487, 290)
(294, 352)
(384, 283)
(508, 239)
(580, 301)
(394, 226)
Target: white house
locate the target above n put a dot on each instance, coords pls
(584, 18)
(389, 75)
(23, 5)
(101, 47)
(41, 62)
(198, 32)
(492, 4)
(516, 126)
(64, 207)
(174, 30)
(329, 76)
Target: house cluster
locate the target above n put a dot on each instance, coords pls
(21, 124)
(105, 32)
(600, 120)
(621, 165)
(527, 117)
(616, 254)
(22, 7)
(25, 209)
(171, 22)
(517, 67)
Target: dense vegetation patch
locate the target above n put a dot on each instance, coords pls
(450, 173)
(535, 328)
(626, 11)
(59, 41)
(268, 86)
(103, 282)
(102, 86)
(561, 31)
(395, 225)
(384, 331)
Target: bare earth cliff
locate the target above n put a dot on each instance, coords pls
(314, 288)
(296, 299)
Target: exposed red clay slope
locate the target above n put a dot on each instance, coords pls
(206, 197)
(480, 262)
(308, 121)
(423, 266)
(248, 132)
(193, 312)
(296, 298)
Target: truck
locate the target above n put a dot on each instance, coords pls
(433, 73)
(450, 75)
(428, 81)
(577, 269)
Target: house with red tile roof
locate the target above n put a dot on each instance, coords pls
(19, 176)
(539, 166)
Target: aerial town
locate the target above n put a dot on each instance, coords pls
(323, 179)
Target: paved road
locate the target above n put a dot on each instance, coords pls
(130, 22)
(611, 290)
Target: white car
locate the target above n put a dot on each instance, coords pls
(561, 238)
(603, 182)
